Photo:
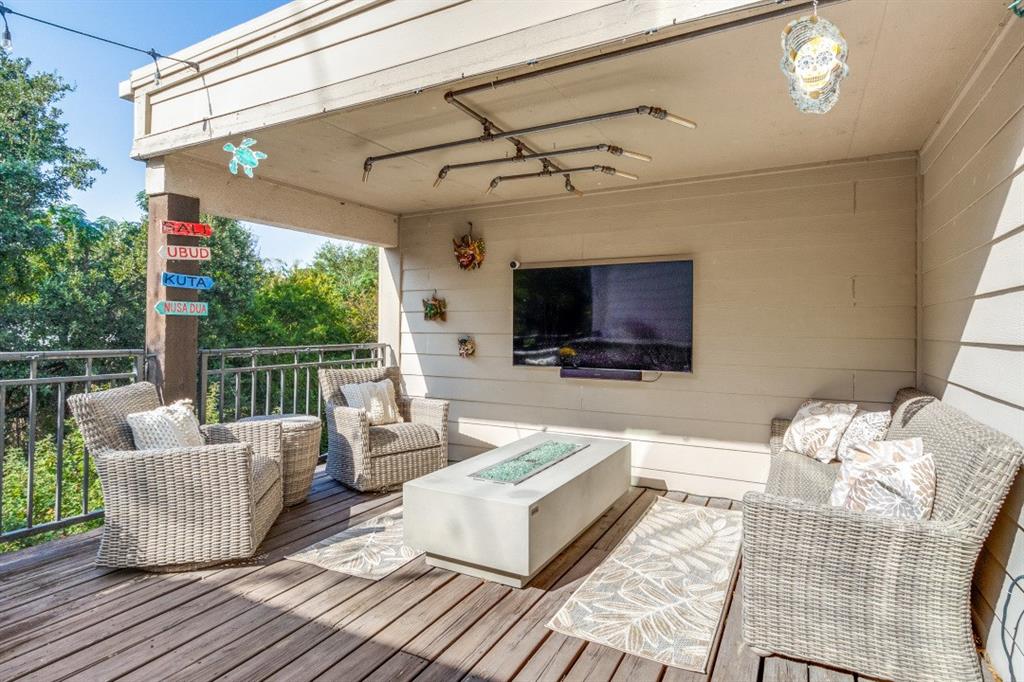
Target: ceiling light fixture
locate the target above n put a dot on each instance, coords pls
(7, 45)
(814, 56)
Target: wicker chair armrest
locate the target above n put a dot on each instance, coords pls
(263, 436)
(429, 411)
(809, 542)
(350, 423)
(779, 427)
(177, 505)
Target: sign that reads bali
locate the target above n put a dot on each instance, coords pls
(186, 229)
(179, 252)
(193, 308)
(174, 279)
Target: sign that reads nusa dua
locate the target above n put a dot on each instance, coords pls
(191, 308)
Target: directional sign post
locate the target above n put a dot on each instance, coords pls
(193, 308)
(179, 252)
(185, 229)
(174, 279)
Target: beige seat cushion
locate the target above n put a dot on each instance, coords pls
(264, 472)
(401, 437)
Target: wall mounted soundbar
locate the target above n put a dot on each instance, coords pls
(595, 373)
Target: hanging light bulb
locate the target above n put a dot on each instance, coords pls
(6, 44)
(814, 56)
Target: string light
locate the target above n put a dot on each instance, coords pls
(8, 44)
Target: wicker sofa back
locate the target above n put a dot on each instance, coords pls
(974, 463)
(103, 416)
(331, 381)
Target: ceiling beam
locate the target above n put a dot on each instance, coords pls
(269, 202)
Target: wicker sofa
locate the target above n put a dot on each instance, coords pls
(378, 458)
(883, 597)
(181, 508)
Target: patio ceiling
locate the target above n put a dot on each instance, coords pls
(907, 61)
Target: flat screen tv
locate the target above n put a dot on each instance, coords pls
(626, 316)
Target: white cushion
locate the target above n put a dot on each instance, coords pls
(817, 427)
(902, 490)
(866, 457)
(170, 426)
(377, 398)
(866, 427)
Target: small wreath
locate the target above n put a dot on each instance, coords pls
(435, 308)
(467, 346)
(469, 252)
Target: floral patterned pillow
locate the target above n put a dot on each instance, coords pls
(817, 427)
(903, 490)
(865, 457)
(866, 427)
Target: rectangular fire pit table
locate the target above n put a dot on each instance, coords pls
(467, 520)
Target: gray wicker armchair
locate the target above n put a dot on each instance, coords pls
(883, 597)
(180, 508)
(377, 458)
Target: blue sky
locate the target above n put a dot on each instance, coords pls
(98, 120)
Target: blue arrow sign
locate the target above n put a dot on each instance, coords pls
(174, 279)
(194, 308)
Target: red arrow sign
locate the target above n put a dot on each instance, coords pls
(185, 229)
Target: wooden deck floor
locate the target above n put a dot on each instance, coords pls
(62, 617)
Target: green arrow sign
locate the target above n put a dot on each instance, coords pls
(193, 308)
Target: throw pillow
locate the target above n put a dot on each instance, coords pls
(866, 427)
(170, 426)
(867, 456)
(903, 490)
(817, 427)
(377, 398)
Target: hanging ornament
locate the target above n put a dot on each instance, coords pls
(469, 252)
(467, 347)
(814, 62)
(243, 156)
(435, 308)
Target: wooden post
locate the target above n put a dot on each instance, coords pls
(173, 341)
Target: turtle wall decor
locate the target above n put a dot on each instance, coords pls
(243, 156)
(435, 308)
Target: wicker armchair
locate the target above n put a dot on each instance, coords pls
(180, 508)
(886, 598)
(377, 458)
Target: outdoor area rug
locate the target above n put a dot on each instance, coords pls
(373, 549)
(660, 594)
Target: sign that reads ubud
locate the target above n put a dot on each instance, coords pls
(193, 308)
(174, 279)
(180, 252)
(185, 229)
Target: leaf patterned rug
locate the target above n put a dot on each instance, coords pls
(660, 594)
(372, 549)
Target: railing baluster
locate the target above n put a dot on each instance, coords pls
(203, 385)
(238, 395)
(220, 395)
(307, 391)
(252, 398)
(281, 396)
(58, 494)
(3, 449)
(295, 384)
(266, 409)
(30, 446)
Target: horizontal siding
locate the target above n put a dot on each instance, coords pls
(972, 297)
(804, 286)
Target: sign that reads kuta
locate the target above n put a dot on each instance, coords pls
(181, 252)
(185, 229)
(175, 279)
(192, 308)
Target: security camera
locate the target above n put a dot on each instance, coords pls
(514, 265)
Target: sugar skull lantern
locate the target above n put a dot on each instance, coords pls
(814, 62)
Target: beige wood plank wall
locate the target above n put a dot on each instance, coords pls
(972, 302)
(804, 286)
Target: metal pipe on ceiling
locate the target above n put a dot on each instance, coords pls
(542, 156)
(643, 47)
(654, 112)
(607, 170)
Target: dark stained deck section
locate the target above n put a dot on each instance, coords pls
(61, 617)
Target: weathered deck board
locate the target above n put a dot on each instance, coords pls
(65, 618)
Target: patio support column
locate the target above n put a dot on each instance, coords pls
(172, 341)
(389, 301)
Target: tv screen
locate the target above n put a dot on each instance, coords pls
(618, 316)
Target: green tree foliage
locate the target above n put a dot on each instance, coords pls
(37, 168)
(354, 271)
(301, 303)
